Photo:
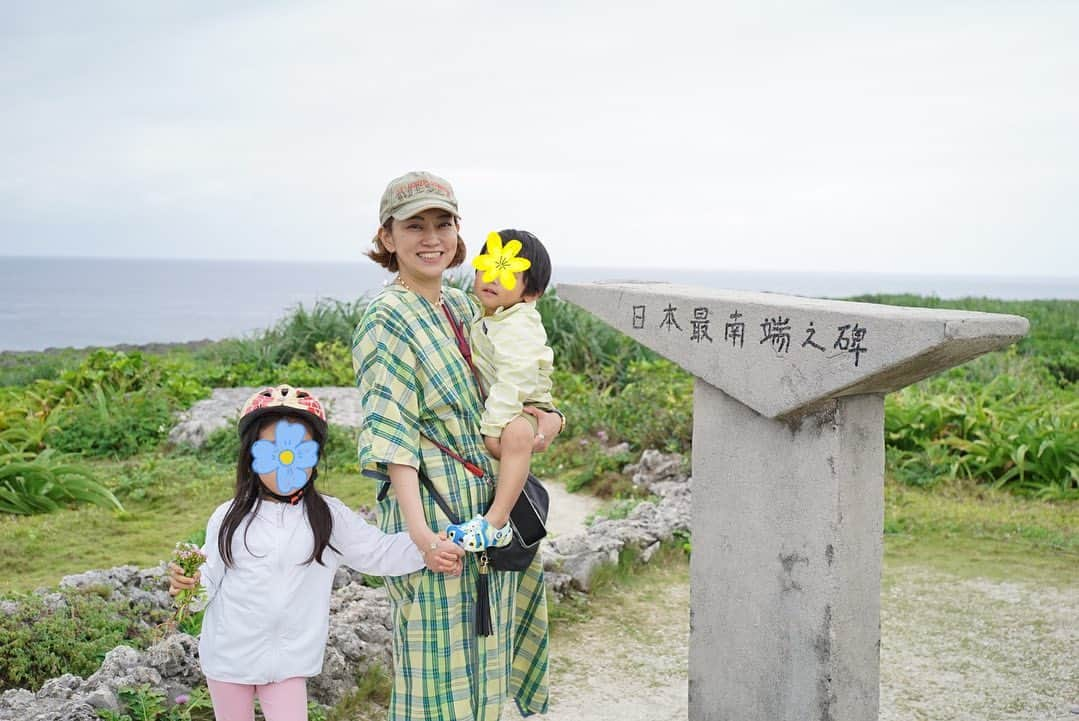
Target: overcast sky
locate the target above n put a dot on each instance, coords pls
(922, 136)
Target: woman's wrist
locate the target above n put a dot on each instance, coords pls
(425, 540)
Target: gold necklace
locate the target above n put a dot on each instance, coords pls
(406, 286)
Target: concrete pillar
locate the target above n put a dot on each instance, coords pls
(788, 469)
(785, 591)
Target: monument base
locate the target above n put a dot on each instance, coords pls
(787, 537)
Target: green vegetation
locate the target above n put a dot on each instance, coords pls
(368, 701)
(587, 462)
(983, 465)
(67, 633)
(146, 703)
(1002, 419)
(89, 426)
(168, 496)
(39, 483)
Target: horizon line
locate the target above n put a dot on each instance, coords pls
(189, 259)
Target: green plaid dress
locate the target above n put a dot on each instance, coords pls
(413, 379)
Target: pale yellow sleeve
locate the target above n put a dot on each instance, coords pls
(522, 363)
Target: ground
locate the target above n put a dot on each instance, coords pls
(996, 640)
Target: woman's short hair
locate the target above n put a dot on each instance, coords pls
(388, 259)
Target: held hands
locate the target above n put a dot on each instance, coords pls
(444, 558)
(179, 582)
(442, 555)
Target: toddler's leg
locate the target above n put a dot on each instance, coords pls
(232, 701)
(494, 446)
(285, 700)
(516, 447)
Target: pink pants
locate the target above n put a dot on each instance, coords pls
(282, 701)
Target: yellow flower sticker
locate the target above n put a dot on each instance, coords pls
(501, 261)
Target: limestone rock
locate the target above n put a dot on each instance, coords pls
(221, 409)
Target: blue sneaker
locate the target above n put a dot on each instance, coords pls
(479, 535)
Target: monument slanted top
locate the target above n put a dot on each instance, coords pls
(783, 355)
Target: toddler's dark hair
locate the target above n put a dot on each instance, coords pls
(538, 276)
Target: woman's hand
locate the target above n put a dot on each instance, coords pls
(550, 424)
(179, 582)
(442, 555)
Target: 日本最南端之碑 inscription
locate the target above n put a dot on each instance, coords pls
(780, 355)
(847, 339)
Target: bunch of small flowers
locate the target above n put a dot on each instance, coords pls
(188, 557)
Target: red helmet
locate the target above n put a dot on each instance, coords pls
(285, 400)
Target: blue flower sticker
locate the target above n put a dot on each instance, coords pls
(289, 455)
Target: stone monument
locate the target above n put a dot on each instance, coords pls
(788, 472)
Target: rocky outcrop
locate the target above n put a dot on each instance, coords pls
(570, 562)
(220, 410)
(360, 636)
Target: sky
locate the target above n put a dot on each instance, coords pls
(915, 137)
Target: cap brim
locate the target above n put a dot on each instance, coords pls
(418, 206)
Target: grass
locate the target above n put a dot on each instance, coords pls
(368, 701)
(179, 494)
(970, 530)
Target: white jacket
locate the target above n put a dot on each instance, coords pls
(268, 615)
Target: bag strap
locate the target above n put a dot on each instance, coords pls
(469, 466)
(464, 347)
(438, 498)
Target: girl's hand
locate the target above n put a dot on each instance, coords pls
(179, 582)
(550, 424)
(445, 557)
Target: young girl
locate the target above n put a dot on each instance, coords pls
(271, 554)
(513, 365)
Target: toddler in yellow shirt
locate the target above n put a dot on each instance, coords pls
(513, 363)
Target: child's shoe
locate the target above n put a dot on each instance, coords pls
(478, 534)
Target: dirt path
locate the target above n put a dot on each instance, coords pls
(568, 510)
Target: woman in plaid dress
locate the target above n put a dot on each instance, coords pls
(417, 386)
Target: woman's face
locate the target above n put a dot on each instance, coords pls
(425, 244)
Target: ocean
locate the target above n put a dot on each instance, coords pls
(78, 302)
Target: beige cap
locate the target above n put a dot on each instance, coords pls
(413, 193)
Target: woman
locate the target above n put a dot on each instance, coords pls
(417, 387)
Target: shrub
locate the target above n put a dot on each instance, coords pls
(145, 703)
(653, 408)
(1001, 419)
(585, 345)
(116, 373)
(309, 346)
(39, 484)
(40, 643)
(116, 425)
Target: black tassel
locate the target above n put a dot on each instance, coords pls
(483, 600)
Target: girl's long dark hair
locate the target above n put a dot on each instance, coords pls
(248, 498)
